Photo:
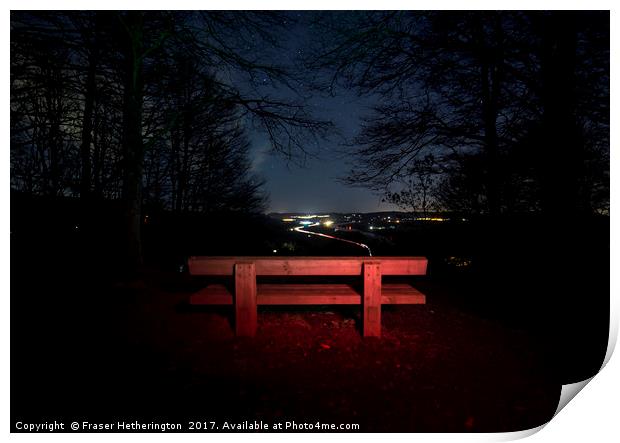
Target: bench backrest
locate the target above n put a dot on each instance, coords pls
(302, 266)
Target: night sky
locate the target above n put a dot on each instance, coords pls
(314, 187)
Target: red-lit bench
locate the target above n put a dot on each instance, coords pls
(248, 294)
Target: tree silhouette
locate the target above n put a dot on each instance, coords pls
(99, 98)
(461, 84)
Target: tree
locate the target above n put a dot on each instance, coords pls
(458, 86)
(97, 98)
(200, 162)
(416, 194)
(42, 107)
(562, 166)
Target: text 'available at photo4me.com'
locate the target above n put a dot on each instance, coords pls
(187, 426)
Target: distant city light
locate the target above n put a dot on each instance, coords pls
(305, 222)
(288, 219)
(275, 251)
(310, 216)
(328, 223)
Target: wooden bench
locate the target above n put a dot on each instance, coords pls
(247, 294)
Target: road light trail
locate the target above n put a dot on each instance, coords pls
(318, 234)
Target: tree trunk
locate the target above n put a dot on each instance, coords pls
(560, 172)
(491, 79)
(97, 161)
(187, 132)
(87, 126)
(54, 139)
(490, 140)
(132, 145)
(562, 153)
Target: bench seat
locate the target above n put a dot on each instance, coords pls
(310, 294)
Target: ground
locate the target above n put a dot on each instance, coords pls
(139, 350)
(516, 307)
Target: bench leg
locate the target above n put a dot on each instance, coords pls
(245, 299)
(371, 320)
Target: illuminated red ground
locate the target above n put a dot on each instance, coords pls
(140, 351)
(487, 353)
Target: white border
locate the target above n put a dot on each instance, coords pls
(591, 416)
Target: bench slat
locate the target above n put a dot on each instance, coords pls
(371, 305)
(307, 266)
(312, 294)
